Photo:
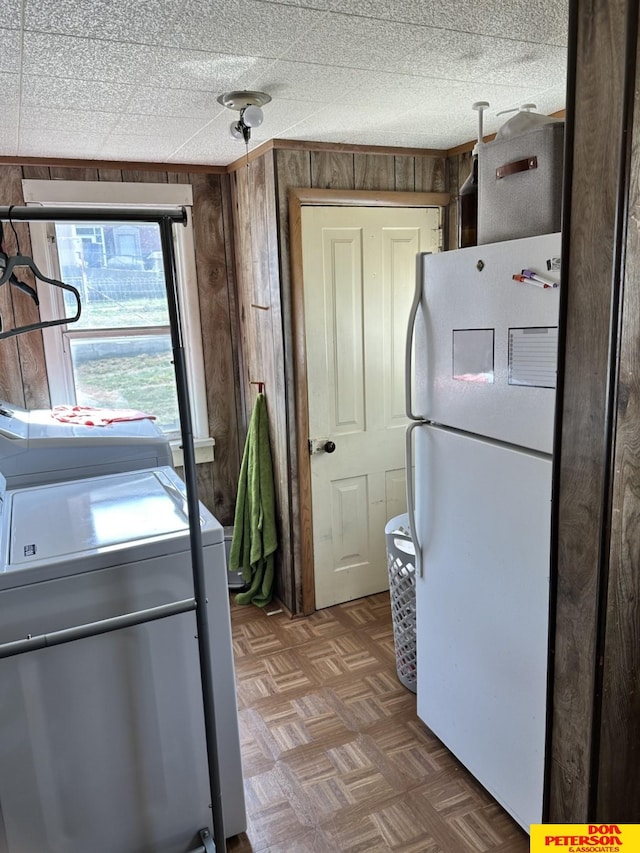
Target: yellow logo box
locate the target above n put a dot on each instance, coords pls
(585, 837)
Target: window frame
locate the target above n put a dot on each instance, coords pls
(136, 196)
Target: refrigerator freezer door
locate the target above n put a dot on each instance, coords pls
(486, 348)
(483, 525)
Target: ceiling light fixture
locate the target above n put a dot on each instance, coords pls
(249, 105)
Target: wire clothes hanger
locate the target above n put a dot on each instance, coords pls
(8, 263)
(21, 285)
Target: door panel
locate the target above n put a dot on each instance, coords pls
(359, 270)
(343, 324)
(350, 541)
(399, 249)
(395, 492)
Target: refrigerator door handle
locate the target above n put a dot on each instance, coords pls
(410, 502)
(408, 366)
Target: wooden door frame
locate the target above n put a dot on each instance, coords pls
(300, 197)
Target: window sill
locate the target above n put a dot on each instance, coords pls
(203, 448)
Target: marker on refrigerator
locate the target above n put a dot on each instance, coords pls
(527, 280)
(535, 277)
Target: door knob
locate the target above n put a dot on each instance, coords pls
(321, 445)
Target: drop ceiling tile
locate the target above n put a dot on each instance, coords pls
(400, 139)
(140, 22)
(177, 129)
(338, 118)
(211, 152)
(538, 65)
(405, 91)
(213, 144)
(349, 42)
(8, 144)
(85, 59)
(138, 148)
(72, 121)
(452, 102)
(527, 20)
(10, 53)
(538, 21)
(9, 124)
(174, 102)
(246, 27)
(10, 12)
(299, 80)
(202, 70)
(440, 130)
(58, 144)
(9, 91)
(65, 92)
(461, 56)
(321, 5)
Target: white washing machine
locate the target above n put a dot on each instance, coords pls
(102, 742)
(37, 448)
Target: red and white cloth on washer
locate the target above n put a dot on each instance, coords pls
(90, 416)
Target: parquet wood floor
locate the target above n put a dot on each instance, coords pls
(334, 756)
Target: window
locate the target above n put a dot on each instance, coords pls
(119, 353)
(120, 348)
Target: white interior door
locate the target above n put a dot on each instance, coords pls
(359, 271)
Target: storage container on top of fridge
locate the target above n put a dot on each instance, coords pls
(520, 179)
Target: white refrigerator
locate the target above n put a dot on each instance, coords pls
(481, 398)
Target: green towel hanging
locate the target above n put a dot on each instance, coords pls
(254, 531)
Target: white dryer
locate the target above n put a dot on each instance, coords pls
(36, 448)
(102, 738)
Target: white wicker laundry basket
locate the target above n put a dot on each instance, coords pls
(402, 588)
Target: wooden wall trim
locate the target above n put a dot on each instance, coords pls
(301, 405)
(293, 169)
(298, 198)
(582, 453)
(616, 745)
(135, 166)
(299, 145)
(336, 147)
(253, 154)
(359, 198)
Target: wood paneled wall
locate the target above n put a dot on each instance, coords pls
(458, 170)
(23, 378)
(259, 309)
(263, 261)
(595, 699)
